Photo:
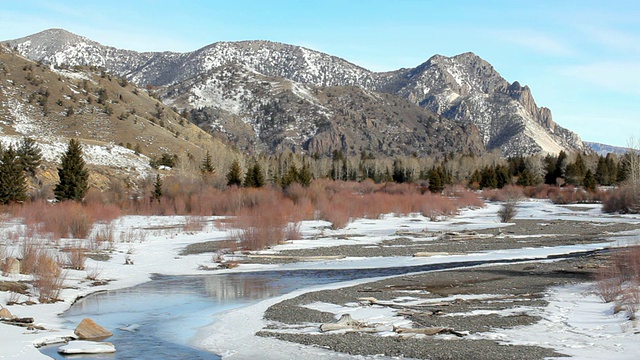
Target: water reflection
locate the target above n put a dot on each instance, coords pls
(232, 288)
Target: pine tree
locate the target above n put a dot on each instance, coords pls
(72, 173)
(589, 181)
(234, 176)
(436, 183)
(254, 177)
(489, 179)
(157, 189)
(30, 155)
(503, 177)
(13, 187)
(291, 176)
(207, 167)
(305, 175)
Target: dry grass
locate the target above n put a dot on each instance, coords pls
(30, 251)
(193, 224)
(76, 256)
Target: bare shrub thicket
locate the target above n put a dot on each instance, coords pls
(622, 200)
(193, 223)
(30, 251)
(510, 196)
(264, 221)
(619, 280)
(48, 278)
(66, 219)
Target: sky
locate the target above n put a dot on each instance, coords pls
(581, 59)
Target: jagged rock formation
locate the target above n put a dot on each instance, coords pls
(267, 114)
(463, 88)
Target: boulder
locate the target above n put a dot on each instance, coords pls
(11, 266)
(88, 329)
(5, 313)
(87, 347)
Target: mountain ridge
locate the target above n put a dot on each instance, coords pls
(464, 88)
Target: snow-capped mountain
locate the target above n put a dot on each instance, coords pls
(463, 88)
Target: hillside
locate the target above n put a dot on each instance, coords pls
(120, 125)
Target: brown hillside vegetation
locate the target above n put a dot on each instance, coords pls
(52, 105)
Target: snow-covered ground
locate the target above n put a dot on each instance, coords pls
(576, 324)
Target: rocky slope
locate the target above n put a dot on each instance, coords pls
(272, 114)
(463, 88)
(119, 125)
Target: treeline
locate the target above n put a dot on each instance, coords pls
(20, 162)
(490, 171)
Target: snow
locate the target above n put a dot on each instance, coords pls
(87, 347)
(153, 243)
(579, 324)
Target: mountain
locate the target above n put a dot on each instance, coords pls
(464, 88)
(272, 114)
(603, 149)
(120, 126)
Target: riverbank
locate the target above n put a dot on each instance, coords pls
(530, 310)
(540, 229)
(476, 302)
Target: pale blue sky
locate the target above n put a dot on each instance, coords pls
(580, 58)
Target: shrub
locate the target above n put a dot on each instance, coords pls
(49, 279)
(507, 211)
(76, 256)
(622, 200)
(608, 284)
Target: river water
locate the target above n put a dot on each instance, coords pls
(157, 319)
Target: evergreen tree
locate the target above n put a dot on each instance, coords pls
(13, 187)
(30, 155)
(72, 173)
(234, 176)
(157, 189)
(258, 176)
(305, 175)
(555, 168)
(526, 178)
(476, 177)
(612, 169)
(207, 167)
(436, 183)
(602, 172)
(589, 181)
(575, 171)
(503, 177)
(291, 176)
(399, 174)
(489, 179)
(254, 177)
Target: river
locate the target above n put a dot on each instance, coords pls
(157, 319)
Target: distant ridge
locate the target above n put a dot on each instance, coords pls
(603, 149)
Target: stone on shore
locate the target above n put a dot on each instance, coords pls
(5, 313)
(88, 329)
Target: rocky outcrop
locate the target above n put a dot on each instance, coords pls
(88, 329)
